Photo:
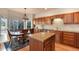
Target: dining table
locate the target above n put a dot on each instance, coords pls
(17, 39)
(16, 33)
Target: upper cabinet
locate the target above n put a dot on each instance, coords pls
(42, 20)
(68, 18)
(76, 17)
(47, 20)
(57, 16)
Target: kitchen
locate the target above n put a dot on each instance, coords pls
(61, 22)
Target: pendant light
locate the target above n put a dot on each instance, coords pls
(25, 16)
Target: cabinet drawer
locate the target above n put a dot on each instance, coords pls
(69, 42)
(69, 38)
(77, 40)
(69, 34)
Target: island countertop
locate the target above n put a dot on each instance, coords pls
(42, 36)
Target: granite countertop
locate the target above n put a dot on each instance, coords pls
(68, 30)
(42, 36)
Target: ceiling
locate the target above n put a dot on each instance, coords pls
(32, 10)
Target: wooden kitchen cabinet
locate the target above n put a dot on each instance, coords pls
(48, 20)
(57, 16)
(58, 35)
(76, 17)
(69, 38)
(68, 18)
(77, 40)
(39, 20)
(43, 20)
(42, 42)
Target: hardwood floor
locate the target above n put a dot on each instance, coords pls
(62, 47)
(24, 49)
(58, 47)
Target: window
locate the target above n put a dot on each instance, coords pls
(3, 24)
(15, 25)
(28, 24)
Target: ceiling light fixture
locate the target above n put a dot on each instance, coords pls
(25, 16)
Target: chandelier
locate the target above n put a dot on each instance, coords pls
(25, 16)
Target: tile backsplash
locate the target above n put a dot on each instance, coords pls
(65, 27)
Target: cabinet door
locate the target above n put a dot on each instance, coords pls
(48, 45)
(58, 36)
(35, 45)
(57, 16)
(43, 20)
(69, 38)
(76, 17)
(77, 40)
(48, 20)
(69, 18)
(40, 20)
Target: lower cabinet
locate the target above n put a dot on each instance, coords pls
(69, 38)
(58, 36)
(49, 45)
(46, 45)
(77, 40)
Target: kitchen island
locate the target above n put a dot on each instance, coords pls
(42, 41)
